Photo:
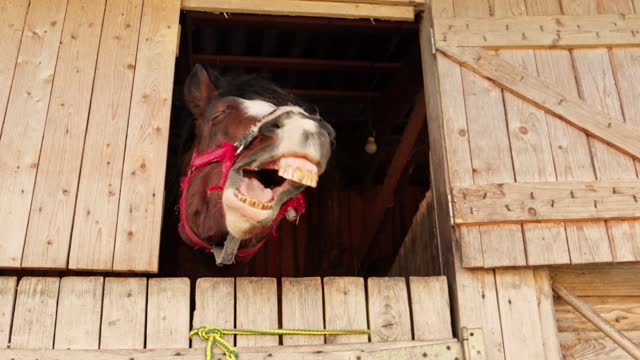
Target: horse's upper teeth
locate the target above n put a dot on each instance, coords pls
(299, 170)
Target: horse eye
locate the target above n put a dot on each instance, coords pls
(216, 116)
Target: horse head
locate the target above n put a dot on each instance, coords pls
(256, 149)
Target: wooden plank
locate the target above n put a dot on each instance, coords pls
(388, 306)
(571, 152)
(386, 2)
(562, 31)
(215, 306)
(531, 152)
(7, 300)
(123, 314)
(304, 8)
(519, 314)
(602, 280)
(168, 313)
(547, 201)
(302, 309)
(256, 307)
(546, 310)
(94, 226)
(623, 312)
(379, 351)
(34, 318)
(430, 308)
(572, 109)
(54, 197)
(594, 345)
(12, 17)
(20, 141)
(141, 195)
(79, 313)
(345, 308)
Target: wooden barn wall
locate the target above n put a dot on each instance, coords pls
(330, 234)
(613, 291)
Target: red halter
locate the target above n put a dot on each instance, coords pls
(225, 154)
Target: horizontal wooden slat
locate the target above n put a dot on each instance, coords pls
(548, 201)
(386, 2)
(623, 312)
(309, 352)
(600, 280)
(593, 345)
(586, 117)
(539, 31)
(303, 8)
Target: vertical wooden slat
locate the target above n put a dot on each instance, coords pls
(79, 313)
(24, 122)
(34, 318)
(519, 314)
(54, 197)
(168, 315)
(388, 304)
(142, 192)
(546, 309)
(302, 309)
(123, 314)
(345, 307)
(7, 300)
(12, 17)
(94, 226)
(430, 308)
(570, 146)
(256, 307)
(215, 306)
(531, 151)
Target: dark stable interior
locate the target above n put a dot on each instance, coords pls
(364, 77)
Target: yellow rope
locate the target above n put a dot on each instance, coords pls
(213, 336)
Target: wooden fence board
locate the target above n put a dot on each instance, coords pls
(123, 315)
(623, 312)
(594, 345)
(94, 227)
(54, 197)
(345, 307)
(430, 308)
(142, 192)
(215, 306)
(12, 17)
(546, 310)
(20, 141)
(34, 318)
(256, 307)
(7, 301)
(79, 313)
(302, 309)
(601, 280)
(168, 314)
(388, 305)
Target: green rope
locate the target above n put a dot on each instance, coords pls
(213, 336)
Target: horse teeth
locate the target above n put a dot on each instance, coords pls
(252, 202)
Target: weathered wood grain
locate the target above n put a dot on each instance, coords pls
(546, 310)
(54, 197)
(34, 317)
(601, 280)
(302, 309)
(79, 313)
(168, 313)
(21, 140)
(215, 306)
(345, 308)
(430, 308)
(142, 191)
(623, 312)
(7, 301)
(123, 314)
(594, 345)
(256, 307)
(94, 226)
(388, 307)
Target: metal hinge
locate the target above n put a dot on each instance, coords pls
(473, 344)
(433, 41)
(451, 217)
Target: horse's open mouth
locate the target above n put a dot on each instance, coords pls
(259, 187)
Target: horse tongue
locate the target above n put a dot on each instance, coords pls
(252, 188)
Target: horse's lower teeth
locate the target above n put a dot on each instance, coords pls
(252, 202)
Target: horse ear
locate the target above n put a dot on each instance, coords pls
(199, 89)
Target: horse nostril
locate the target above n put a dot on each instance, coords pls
(270, 127)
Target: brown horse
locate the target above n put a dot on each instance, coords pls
(255, 149)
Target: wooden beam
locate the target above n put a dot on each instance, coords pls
(295, 63)
(304, 8)
(584, 116)
(384, 2)
(547, 201)
(539, 31)
(402, 155)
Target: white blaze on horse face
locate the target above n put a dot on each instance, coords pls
(294, 139)
(257, 108)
